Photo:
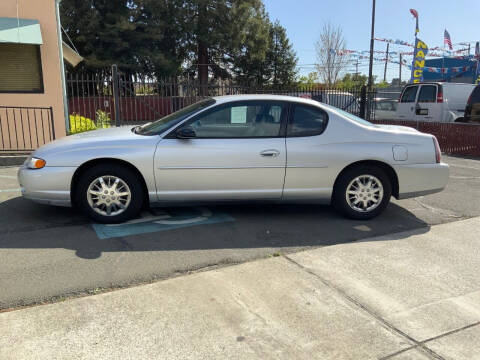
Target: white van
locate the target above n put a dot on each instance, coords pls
(434, 101)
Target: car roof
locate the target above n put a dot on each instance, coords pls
(231, 98)
(444, 83)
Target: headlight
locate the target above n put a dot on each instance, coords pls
(35, 163)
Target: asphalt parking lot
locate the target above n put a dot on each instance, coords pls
(49, 253)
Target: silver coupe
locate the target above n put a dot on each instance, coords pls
(237, 148)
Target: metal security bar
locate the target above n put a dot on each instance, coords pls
(113, 98)
(23, 129)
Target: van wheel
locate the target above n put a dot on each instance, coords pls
(362, 192)
(109, 193)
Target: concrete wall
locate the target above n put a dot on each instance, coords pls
(44, 12)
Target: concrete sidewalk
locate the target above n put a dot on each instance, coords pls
(412, 295)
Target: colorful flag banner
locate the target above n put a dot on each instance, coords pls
(447, 40)
(415, 15)
(404, 43)
(421, 50)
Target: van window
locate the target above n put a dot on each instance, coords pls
(409, 94)
(428, 94)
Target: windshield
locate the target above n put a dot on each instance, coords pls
(168, 121)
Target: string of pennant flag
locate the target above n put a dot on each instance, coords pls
(365, 53)
(405, 43)
(440, 70)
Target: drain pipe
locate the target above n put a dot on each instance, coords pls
(62, 65)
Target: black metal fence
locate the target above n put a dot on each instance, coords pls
(23, 129)
(113, 98)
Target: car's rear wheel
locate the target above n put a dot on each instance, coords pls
(109, 193)
(362, 192)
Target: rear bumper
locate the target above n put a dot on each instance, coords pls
(50, 185)
(421, 179)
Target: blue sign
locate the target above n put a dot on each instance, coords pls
(162, 220)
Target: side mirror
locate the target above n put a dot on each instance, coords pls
(186, 133)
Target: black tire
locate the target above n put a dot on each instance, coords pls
(127, 176)
(340, 192)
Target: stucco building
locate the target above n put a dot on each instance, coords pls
(32, 97)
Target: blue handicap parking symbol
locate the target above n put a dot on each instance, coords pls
(161, 220)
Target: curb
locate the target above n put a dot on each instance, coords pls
(12, 160)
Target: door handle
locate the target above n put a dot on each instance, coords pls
(270, 153)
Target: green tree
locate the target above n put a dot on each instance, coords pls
(310, 79)
(221, 38)
(222, 30)
(102, 31)
(352, 81)
(281, 57)
(266, 60)
(249, 59)
(161, 32)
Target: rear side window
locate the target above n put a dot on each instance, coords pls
(409, 94)
(428, 94)
(307, 121)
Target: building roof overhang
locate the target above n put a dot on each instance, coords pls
(20, 31)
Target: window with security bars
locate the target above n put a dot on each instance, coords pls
(20, 69)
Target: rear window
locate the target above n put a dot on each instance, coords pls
(409, 94)
(428, 94)
(307, 121)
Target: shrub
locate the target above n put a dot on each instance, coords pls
(102, 119)
(79, 124)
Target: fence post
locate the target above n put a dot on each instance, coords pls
(363, 101)
(116, 94)
(52, 122)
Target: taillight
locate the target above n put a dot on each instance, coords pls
(440, 94)
(438, 152)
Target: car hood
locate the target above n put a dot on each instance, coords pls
(92, 139)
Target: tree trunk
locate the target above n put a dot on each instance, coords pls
(203, 68)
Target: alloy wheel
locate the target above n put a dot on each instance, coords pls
(109, 195)
(364, 193)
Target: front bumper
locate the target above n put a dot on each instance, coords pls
(421, 179)
(50, 185)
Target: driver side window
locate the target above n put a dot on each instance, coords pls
(241, 120)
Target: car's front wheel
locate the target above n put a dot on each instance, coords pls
(362, 192)
(109, 193)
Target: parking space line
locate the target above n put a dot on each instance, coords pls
(158, 221)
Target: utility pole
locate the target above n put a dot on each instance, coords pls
(356, 67)
(386, 62)
(400, 72)
(370, 65)
(468, 49)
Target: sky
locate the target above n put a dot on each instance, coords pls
(303, 20)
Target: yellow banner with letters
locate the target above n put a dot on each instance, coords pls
(421, 50)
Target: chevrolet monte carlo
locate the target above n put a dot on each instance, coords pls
(237, 148)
